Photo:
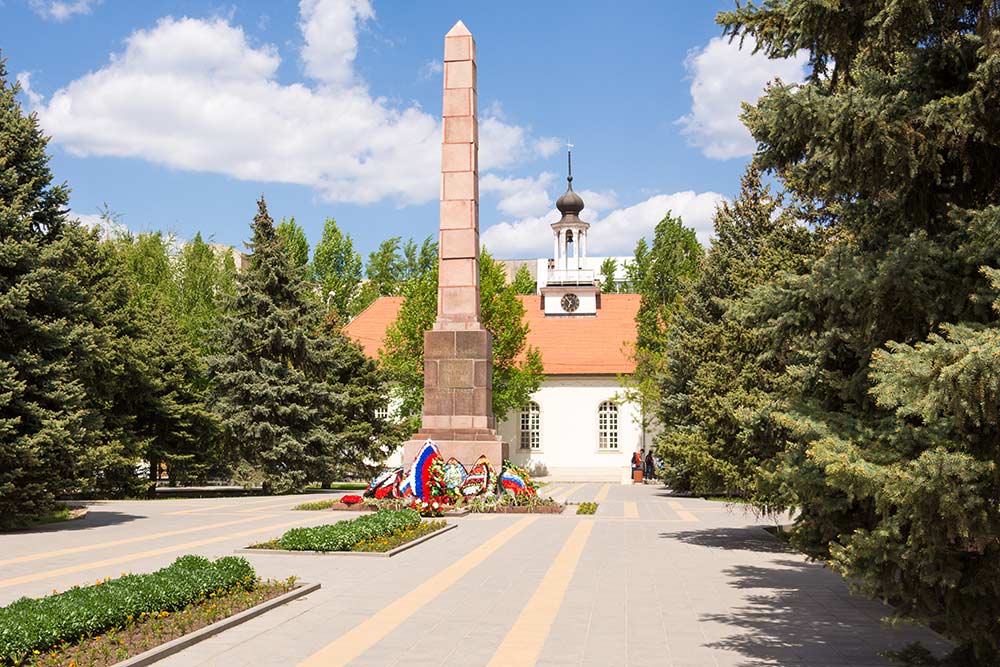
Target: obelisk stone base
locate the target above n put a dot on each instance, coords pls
(458, 398)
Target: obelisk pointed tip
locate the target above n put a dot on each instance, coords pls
(458, 30)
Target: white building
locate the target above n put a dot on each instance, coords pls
(575, 424)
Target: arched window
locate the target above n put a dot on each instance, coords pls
(531, 418)
(607, 425)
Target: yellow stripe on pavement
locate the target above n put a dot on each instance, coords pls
(602, 495)
(127, 540)
(267, 502)
(363, 636)
(676, 506)
(631, 510)
(4, 583)
(554, 490)
(524, 642)
(565, 493)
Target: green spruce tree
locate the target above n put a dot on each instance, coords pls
(47, 337)
(270, 377)
(888, 149)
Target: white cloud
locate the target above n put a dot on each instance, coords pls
(196, 94)
(429, 69)
(519, 197)
(331, 37)
(62, 10)
(613, 234)
(723, 76)
(24, 80)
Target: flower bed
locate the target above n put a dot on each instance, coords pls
(344, 535)
(400, 537)
(510, 504)
(148, 631)
(30, 628)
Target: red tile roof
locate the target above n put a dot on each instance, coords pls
(597, 345)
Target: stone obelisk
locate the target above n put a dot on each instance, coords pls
(458, 350)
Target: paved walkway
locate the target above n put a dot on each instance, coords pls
(649, 580)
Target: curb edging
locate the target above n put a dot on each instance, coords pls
(177, 645)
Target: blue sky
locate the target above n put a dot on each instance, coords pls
(179, 114)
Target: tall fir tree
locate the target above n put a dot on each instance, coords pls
(889, 149)
(715, 384)
(270, 377)
(47, 334)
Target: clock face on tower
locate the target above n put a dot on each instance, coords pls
(570, 302)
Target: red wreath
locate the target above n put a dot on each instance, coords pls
(351, 500)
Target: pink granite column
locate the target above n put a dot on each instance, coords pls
(458, 351)
(458, 278)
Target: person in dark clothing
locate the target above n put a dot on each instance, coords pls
(648, 472)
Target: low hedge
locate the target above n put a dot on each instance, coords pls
(343, 535)
(28, 624)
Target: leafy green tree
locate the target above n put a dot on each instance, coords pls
(637, 268)
(674, 258)
(168, 388)
(889, 150)
(517, 368)
(609, 267)
(270, 377)
(418, 261)
(205, 282)
(294, 238)
(523, 282)
(337, 268)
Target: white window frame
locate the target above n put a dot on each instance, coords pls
(530, 422)
(607, 427)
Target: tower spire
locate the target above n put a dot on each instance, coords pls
(569, 160)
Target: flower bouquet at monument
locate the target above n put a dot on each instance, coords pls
(351, 500)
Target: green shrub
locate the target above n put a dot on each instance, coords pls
(38, 624)
(343, 535)
(586, 508)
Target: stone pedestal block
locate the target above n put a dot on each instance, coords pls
(466, 451)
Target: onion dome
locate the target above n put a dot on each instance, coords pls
(570, 203)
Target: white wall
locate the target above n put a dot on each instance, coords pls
(568, 430)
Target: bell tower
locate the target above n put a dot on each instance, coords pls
(570, 290)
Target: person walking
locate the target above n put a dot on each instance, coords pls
(636, 465)
(648, 472)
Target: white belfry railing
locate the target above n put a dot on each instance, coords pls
(571, 276)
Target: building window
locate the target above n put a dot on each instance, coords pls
(531, 419)
(607, 426)
(382, 412)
